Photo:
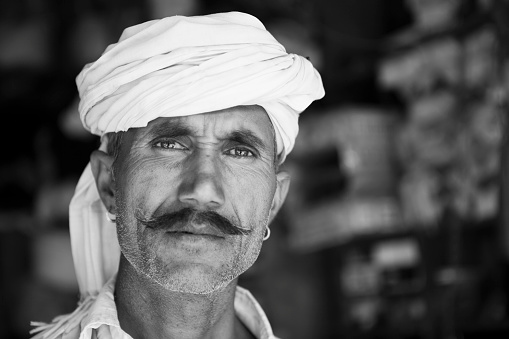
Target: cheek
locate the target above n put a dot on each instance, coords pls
(146, 184)
(250, 190)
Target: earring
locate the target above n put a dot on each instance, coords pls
(111, 217)
(267, 234)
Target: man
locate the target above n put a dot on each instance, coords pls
(195, 115)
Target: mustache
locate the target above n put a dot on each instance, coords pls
(169, 221)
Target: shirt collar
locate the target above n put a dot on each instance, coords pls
(103, 317)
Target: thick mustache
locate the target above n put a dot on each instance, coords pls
(168, 221)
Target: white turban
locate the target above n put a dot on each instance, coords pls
(179, 66)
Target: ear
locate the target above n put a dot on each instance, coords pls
(283, 184)
(102, 170)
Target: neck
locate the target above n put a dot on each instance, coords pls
(147, 310)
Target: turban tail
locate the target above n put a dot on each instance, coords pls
(179, 66)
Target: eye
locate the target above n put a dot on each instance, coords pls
(169, 144)
(240, 152)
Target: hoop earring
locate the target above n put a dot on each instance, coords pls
(267, 234)
(111, 218)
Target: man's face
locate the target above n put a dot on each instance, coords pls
(221, 162)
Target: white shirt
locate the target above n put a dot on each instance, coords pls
(102, 320)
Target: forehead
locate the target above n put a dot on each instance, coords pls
(218, 123)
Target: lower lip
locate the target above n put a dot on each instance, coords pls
(190, 237)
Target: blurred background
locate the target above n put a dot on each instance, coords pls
(393, 227)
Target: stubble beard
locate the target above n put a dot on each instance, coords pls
(145, 260)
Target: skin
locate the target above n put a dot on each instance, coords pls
(180, 283)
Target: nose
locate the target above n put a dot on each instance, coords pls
(201, 186)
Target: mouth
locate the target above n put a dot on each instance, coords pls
(194, 235)
(192, 229)
(186, 238)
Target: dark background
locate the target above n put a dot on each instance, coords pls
(455, 288)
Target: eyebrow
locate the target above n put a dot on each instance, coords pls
(171, 129)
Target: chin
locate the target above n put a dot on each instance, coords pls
(198, 289)
(191, 280)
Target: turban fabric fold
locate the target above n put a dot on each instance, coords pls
(178, 66)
